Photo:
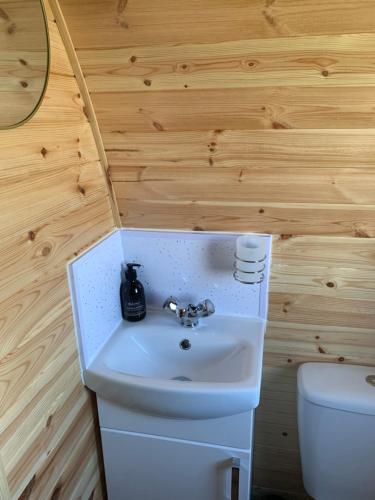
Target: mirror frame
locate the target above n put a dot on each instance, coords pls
(46, 80)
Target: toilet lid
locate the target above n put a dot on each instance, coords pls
(342, 387)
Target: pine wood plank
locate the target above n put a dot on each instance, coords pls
(42, 443)
(268, 217)
(284, 437)
(23, 373)
(315, 334)
(323, 251)
(252, 108)
(27, 313)
(282, 185)
(324, 281)
(239, 148)
(24, 258)
(72, 463)
(139, 23)
(263, 454)
(272, 481)
(321, 310)
(319, 61)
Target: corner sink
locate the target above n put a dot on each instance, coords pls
(144, 367)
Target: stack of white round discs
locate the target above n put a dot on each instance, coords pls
(250, 258)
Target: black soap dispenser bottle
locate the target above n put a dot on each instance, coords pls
(132, 294)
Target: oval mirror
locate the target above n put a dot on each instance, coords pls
(24, 59)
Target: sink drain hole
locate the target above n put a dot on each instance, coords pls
(185, 344)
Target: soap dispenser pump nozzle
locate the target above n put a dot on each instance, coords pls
(130, 272)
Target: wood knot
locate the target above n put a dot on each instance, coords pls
(56, 492)
(261, 211)
(79, 154)
(331, 284)
(361, 233)
(81, 189)
(31, 235)
(285, 306)
(279, 125)
(321, 350)
(11, 29)
(46, 251)
(284, 434)
(289, 360)
(49, 421)
(184, 67)
(325, 73)
(249, 64)
(198, 228)
(158, 126)
(23, 62)
(121, 6)
(43, 152)
(133, 59)
(147, 83)
(24, 84)
(285, 236)
(341, 359)
(267, 16)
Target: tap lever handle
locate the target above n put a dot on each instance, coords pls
(171, 303)
(208, 307)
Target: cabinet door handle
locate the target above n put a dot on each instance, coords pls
(235, 482)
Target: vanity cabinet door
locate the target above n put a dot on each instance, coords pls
(139, 467)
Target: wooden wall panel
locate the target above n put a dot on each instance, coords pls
(54, 202)
(251, 116)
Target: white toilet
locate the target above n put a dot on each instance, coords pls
(336, 425)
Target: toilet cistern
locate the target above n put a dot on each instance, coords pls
(189, 314)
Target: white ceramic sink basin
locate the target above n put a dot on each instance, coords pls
(143, 367)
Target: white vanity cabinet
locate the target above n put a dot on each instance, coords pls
(142, 467)
(173, 466)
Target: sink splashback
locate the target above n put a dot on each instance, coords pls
(190, 265)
